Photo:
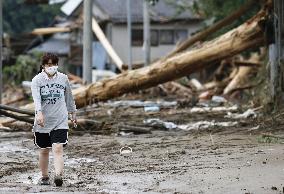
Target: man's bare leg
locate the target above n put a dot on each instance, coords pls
(43, 161)
(57, 150)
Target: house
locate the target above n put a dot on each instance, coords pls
(167, 29)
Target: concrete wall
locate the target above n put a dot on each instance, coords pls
(119, 40)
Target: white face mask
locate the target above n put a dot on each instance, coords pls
(51, 70)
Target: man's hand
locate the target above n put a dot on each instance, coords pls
(73, 118)
(40, 119)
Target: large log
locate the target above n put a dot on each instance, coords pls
(248, 35)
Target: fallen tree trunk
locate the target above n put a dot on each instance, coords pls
(13, 109)
(17, 117)
(248, 35)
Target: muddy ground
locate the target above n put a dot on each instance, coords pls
(233, 159)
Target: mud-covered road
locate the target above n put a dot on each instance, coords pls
(227, 160)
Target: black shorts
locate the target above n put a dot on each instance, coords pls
(45, 140)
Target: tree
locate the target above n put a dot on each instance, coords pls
(19, 17)
(214, 10)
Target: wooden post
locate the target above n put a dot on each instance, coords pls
(276, 57)
(129, 32)
(1, 47)
(146, 35)
(87, 41)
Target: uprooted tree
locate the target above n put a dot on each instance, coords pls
(248, 35)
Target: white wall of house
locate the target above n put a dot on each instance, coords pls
(119, 40)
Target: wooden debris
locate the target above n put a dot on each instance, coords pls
(50, 30)
(17, 110)
(182, 87)
(194, 83)
(242, 76)
(101, 36)
(74, 79)
(134, 129)
(17, 117)
(12, 95)
(248, 35)
(247, 63)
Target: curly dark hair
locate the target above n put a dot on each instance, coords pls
(46, 57)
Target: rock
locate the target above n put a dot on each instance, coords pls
(274, 188)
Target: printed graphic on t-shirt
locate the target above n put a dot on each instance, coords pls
(51, 93)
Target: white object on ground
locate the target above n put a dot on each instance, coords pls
(218, 99)
(206, 125)
(248, 114)
(213, 109)
(125, 150)
(158, 122)
(139, 103)
(75, 162)
(151, 109)
(254, 128)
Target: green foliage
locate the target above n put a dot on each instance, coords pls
(219, 9)
(25, 68)
(19, 17)
(214, 10)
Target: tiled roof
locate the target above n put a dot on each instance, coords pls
(161, 12)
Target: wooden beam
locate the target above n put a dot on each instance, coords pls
(102, 38)
(17, 110)
(50, 30)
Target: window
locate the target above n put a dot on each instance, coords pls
(180, 35)
(137, 37)
(166, 37)
(160, 37)
(154, 38)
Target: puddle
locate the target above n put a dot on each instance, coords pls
(76, 192)
(29, 178)
(9, 147)
(76, 162)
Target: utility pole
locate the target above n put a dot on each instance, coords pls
(146, 33)
(1, 47)
(87, 41)
(129, 32)
(276, 57)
